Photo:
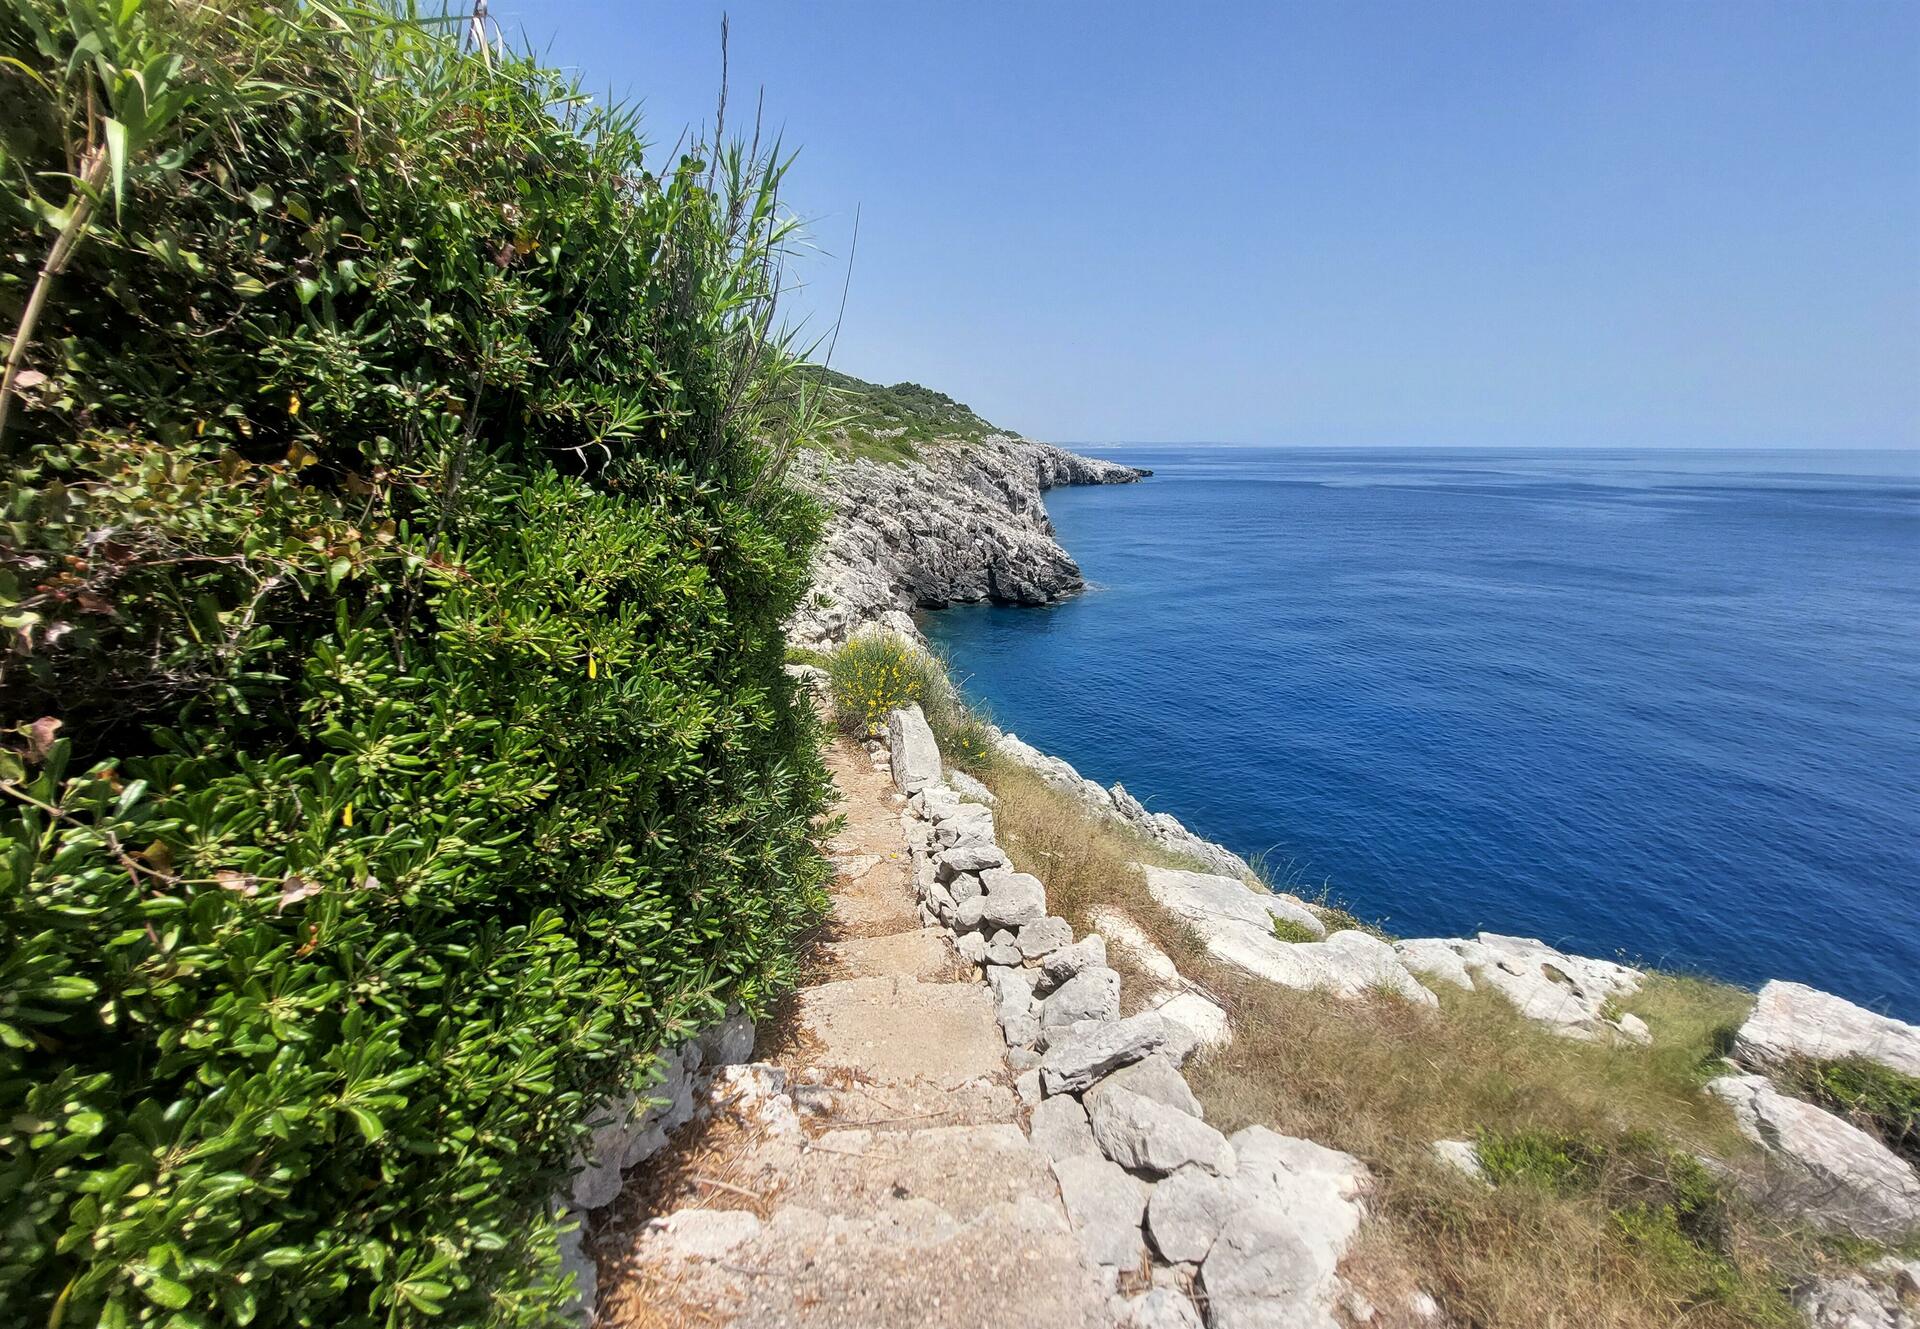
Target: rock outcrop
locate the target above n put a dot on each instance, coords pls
(964, 523)
(1833, 1173)
(1792, 1022)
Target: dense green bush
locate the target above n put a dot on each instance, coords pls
(878, 672)
(397, 748)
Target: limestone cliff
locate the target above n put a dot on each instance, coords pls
(961, 521)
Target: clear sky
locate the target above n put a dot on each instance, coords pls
(1609, 223)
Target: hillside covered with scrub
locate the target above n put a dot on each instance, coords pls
(396, 747)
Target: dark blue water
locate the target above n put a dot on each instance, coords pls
(1665, 704)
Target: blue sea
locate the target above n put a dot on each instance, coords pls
(1665, 704)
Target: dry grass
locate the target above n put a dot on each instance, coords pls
(1382, 1078)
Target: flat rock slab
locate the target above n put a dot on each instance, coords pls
(910, 1265)
(1838, 1175)
(898, 1030)
(1791, 1021)
(964, 1170)
(923, 954)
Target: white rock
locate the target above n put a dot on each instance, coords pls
(1011, 984)
(1073, 1063)
(1058, 966)
(1045, 937)
(1091, 994)
(1571, 994)
(1012, 898)
(970, 824)
(950, 863)
(1126, 935)
(1002, 949)
(1027, 1085)
(972, 947)
(1791, 1021)
(1839, 1175)
(1060, 1129)
(1463, 1156)
(1187, 1211)
(1154, 1077)
(1105, 1206)
(1162, 1308)
(911, 750)
(1205, 1021)
(1143, 1135)
(1434, 957)
(968, 787)
(1850, 1302)
(1203, 897)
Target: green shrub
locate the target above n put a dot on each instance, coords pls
(397, 748)
(878, 672)
(1877, 1099)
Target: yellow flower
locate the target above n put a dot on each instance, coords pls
(593, 667)
(293, 403)
(346, 815)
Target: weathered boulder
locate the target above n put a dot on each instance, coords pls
(1075, 1062)
(1060, 1129)
(950, 863)
(1836, 1174)
(1002, 949)
(1012, 898)
(1236, 924)
(1187, 1211)
(1144, 1135)
(1105, 1206)
(1044, 937)
(1462, 1156)
(969, 788)
(970, 824)
(1206, 897)
(912, 750)
(1057, 967)
(1791, 1022)
(1296, 1208)
(1091, 994)
(1154, 1077)
(1851, 1302)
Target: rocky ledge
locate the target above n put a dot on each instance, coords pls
(963, 523)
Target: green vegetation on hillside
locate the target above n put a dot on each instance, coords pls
(396, 747)
(886, 424)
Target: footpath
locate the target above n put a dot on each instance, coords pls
(871, 1168)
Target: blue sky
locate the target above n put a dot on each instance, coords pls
(1613, 223)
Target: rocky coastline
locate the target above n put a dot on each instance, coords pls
(963, 523)
(959, 528)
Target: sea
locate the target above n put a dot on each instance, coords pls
(1655, 704)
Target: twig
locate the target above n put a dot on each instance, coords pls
(63, 247)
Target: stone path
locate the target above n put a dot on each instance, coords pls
(873, 1169)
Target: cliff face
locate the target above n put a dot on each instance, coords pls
(962, 523)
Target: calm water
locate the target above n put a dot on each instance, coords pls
(1665, 704)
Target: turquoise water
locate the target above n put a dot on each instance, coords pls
(1659, 703)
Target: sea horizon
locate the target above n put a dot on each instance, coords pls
(1628, 705)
